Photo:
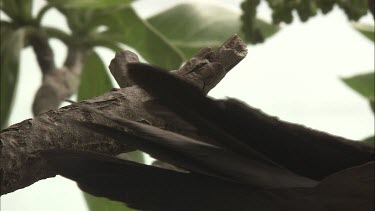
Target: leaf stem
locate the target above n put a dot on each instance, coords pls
(42, 12)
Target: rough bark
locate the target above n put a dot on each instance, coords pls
(20, 144)
(118, 67)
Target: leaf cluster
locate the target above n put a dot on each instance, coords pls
(363, 83)
(282, 12)
(160, 39)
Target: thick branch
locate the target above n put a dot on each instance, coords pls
(21, 164)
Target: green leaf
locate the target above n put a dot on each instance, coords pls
(90, 4)
(127, 27)
(354, 9)
(80, 15)
(80, 21)
(53, 32)
(95, 80)
(104, 42)
(248, 17)
(122, 25)
(363, 84)
(100, 203)
(25, 8)
(192, 26)
(366, 30)
(18, 10)
(11, 46)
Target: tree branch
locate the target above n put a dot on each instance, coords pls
(21, 164)
(20, 145)
(58, 84)
(43, 51)
(371, 5)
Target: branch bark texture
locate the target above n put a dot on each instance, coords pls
(21, 164)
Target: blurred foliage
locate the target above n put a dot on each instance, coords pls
(101, 203)
(95, 80)
(366, 30)
(249, 25)
(20, 11)
(89, 4)
(113, 23)
(11, 46)
(363, 84)
(282, 11)
(200, 26)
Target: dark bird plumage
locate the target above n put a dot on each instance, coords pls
(264, 166)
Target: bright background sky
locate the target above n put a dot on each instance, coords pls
(294, 75)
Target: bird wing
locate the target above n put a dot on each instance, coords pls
(247, 131)
(150, 188)
(237, 173)
(194, 155)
